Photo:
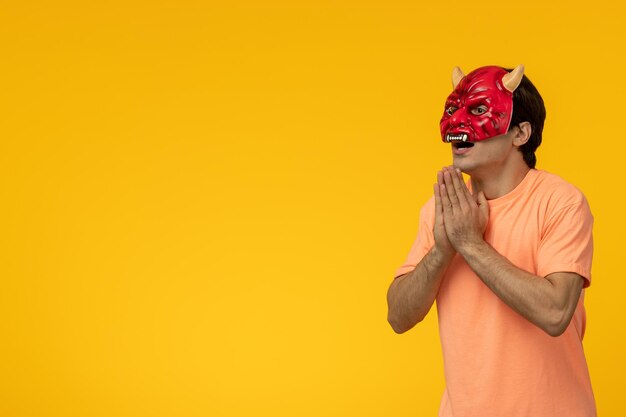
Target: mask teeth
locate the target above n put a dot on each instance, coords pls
(462, 137)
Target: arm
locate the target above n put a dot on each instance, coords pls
(548, 303)
(411, 295)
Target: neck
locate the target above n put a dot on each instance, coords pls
(497, 184)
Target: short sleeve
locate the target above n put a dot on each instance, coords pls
(424, 241)
(567, 242)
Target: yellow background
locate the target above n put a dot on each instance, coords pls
(203, 203)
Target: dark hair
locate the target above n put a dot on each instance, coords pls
(528, 107)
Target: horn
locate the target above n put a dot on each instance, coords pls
(457, 76)
(511, 80)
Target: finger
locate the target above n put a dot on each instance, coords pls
(449, 187)
(438, 208)
(437, 198)
(468, 194)
(460, 188)
(440, 183)
(445, 201)
(440, 193)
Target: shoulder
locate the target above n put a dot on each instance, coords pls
(556, 194)
(556, 191)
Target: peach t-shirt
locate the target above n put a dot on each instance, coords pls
(497, 363)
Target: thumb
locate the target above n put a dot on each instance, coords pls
(481, 200)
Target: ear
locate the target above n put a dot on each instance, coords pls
(522, 134)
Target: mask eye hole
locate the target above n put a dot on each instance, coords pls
(479, 110)
(450, 110)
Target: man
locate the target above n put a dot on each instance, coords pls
(507, 257)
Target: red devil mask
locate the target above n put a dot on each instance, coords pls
(481, 105)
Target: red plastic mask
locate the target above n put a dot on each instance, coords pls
(481, 105)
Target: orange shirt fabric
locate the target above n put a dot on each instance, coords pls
(497, 363)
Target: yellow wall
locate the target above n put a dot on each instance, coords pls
(203, 203)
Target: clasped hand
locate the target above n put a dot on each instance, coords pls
(460, 217)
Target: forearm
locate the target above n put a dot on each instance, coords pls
(535, 298)
(411, 296)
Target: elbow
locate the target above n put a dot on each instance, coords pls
(400, 316)
(555, 331)
(558, 323)
(401, 325)
(397, 326)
